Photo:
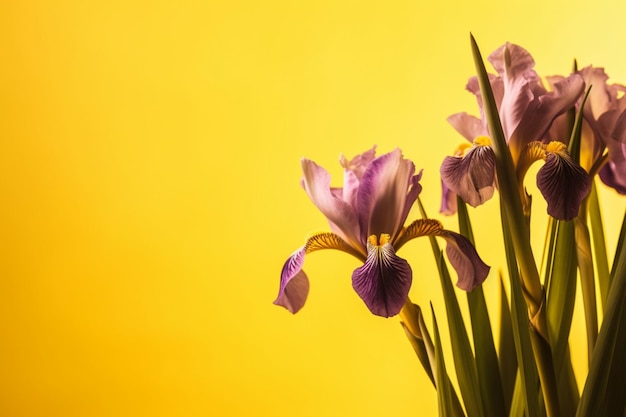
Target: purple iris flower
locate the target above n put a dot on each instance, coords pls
(527, 111)
(366, 218)
(604, 127)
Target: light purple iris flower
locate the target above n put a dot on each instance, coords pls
(527, 111)
(604, 127)
(367, 218)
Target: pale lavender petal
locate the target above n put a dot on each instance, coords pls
(541, 112)
(383, 282)
(470, 268)
(471, 177)
(469, 127)
(353, 172)
(613, 173)
(448, 200)
(564, 184)
(515, 66)
(359, 163)
(294, 284)
(497, 86)
(619, 130)
(340, 214)
(383, 194)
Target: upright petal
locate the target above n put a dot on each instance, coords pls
(543, 110)
(383, 193)
(383, 282)
(472, 176)
(563, 183)
(469, 127)
(294, 284)
(340, 214)
(515, 66)
(353, 172)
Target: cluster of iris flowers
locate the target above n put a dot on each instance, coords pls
(577, 127)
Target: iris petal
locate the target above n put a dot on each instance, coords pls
(294, 284)
(384, 280)
(340, 214)
(384, 193)
(470, 268)
(471, 177)
(563, 183)
(613, 173)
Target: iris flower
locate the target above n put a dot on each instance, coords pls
(366, 218)
(527, 111)
(604, 128)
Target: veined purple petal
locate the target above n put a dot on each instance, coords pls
(340, 214)
(471, 270)
(383, 282)
(471, 177)
(383, 195)
(563, 183)
(294, 284)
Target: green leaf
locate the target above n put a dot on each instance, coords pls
(529, 379)
(486, 358)
(603, 394)
(443, 386)
(462, 354)
(506, 348)
(599, 244)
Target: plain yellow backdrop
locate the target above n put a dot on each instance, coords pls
(149, 193)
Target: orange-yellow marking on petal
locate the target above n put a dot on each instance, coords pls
(482, 141)
(375, 241)
(556, 147)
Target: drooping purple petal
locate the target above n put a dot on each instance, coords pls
(563, 183)
(340, 214)
(383, 194)
(294, 284)
(471, 177)
(613, 173)
(470, 268)
(384, 280)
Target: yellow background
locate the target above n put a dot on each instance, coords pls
(149, 168)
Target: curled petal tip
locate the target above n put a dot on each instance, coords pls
(471, 269)
(294, 284)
